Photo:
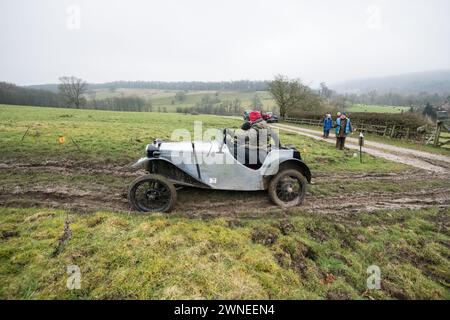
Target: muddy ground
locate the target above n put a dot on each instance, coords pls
(92, 196)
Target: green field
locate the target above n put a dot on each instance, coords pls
(161, 99)
(377, 108)
(215, 244)
(153, 257)
(102, 136)
(120, 137)
(166, 98)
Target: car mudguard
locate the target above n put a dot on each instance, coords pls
(299, 165)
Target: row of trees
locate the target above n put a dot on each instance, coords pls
(383, 98)
(70, 94)
(240, 85)
(12, 94)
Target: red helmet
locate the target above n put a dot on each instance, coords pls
(254, 115)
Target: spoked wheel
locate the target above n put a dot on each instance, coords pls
(152, 193)
(287, 188)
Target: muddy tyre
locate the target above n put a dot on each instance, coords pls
(152, 193)
(288, 188)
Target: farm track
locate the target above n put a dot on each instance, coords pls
(415, 158)
(197, 203)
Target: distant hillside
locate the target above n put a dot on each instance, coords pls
(241, 85)
(411, 83)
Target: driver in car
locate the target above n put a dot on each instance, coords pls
(253, 139)
(251, 130)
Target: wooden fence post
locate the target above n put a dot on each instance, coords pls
(437, 134)
(393, 131)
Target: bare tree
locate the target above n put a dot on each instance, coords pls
(72, 89)
(324, 91)
(289, 93)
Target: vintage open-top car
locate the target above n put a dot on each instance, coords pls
(218, 164)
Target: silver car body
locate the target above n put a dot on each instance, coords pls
(213, 164)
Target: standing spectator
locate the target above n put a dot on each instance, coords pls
(338, 118)
(343, 128)
(327, 125)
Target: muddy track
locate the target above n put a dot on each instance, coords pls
(71, 167)
(127, 171)
(213, 203)
(207, 203)
(370, 202)
(257, 205)
(319, 177)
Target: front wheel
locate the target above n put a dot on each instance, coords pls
(152, 193)
(288, 188)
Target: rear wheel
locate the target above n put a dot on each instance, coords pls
(287, 188)
(152, 193)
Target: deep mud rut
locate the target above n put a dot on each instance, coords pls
(199, 203)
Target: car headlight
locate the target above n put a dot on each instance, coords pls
(152, 151)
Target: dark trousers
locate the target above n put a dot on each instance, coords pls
(326, 133)
(340, 143)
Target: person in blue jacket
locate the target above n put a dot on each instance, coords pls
(343, 128)
(327, 125)
(338, 118)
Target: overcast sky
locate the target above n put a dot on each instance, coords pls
(208, 40)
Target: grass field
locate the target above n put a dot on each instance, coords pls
(153, 257)
(163, 98)
(215, 244)
(120, 137)
(377, 108)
